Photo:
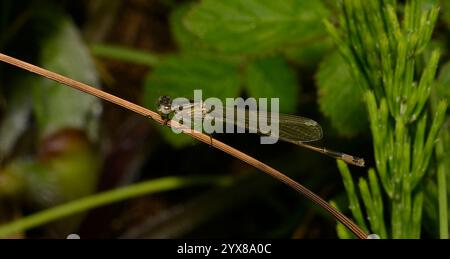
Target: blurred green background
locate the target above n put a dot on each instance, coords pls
(58, 144)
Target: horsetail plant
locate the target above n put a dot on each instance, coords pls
(384, 53)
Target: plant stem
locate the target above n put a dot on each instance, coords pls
(105, 198)
(442, 187)
(442, 198)
(125, 54)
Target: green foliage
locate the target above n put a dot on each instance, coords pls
(211, 58)
(180, 76)
(58, 107)
(273, 78)
(445, 6)
(383, 53)
(108, 197)
(442, 179)
(260, 25)
(372, 198)
(440, 187)
(72, 168)
(185, 39)
(340, 96)
(310, 53)
(373, 201)
(397, 48)
(442, 87)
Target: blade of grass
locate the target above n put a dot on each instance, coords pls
(105, 198)
(125, 54)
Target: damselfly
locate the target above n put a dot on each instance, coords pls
(293, 129)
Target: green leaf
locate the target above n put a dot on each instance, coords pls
(180, 76)
(255, 26)
(186, 40)
(340, 98)
(15, 119)
(310, 53)
(273, 78)
(57, 106)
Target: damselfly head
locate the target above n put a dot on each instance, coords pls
(164, 105)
